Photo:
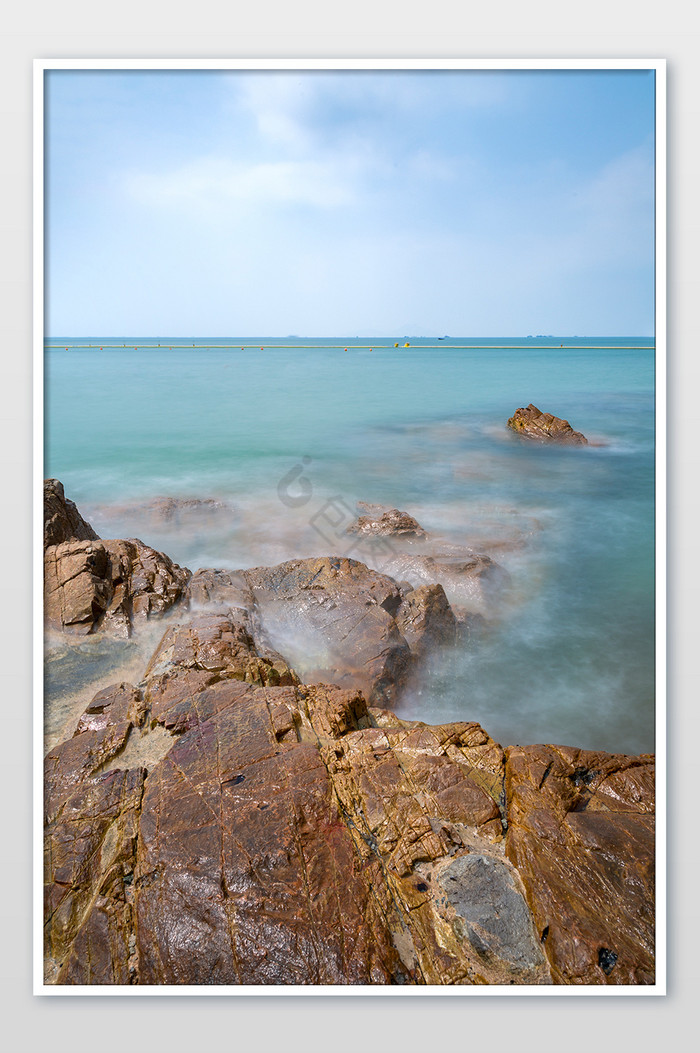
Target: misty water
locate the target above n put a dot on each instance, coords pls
(283, 443)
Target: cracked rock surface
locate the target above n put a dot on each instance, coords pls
(236, 818)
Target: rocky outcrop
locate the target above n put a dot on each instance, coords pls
(93, 586)
(219, 589)
(426, 620)
(62, 520)
(286, 833)
(531, 423)
(581, 834)
(387, 523)
(222, 822)
(289, 835)
(334, 619)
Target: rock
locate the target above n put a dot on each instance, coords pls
(424, 799)
(426, 620)
(101, 732)
(333, 619)
(531, 423)
(93, 586)
(389, 523)
(90, 844)
(486, 893)
(208, 649)
(166, 512)
(246, 872)
(62, 520)
(470, 580)
(293, 834)
(219, 589)
(176, 510)
(90, 857)
(581, 835)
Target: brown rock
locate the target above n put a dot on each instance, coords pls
(389, 523)
(90, 844)
(581, 834)
(425, 800)
(102, 732)
(333, 619)
(62, 520)
(246, 872)
(425, 619)
(93, 586)
(531, 423)
(219, 589)
(209, 648)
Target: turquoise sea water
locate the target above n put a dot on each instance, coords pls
(290, 438)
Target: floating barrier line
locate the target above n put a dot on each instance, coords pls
(356, 347)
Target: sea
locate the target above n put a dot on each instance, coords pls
(276, 442)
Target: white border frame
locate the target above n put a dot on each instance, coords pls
(41, 66)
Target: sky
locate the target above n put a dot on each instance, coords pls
(349, 203)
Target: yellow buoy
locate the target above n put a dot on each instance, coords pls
(396, 345)
(407, 344)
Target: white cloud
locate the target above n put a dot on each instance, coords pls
(211, 181)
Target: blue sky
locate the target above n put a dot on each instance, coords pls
(383, 203)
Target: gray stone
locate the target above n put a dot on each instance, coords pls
(483, 892)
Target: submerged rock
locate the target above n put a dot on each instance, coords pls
(470, 580)
(531, 423)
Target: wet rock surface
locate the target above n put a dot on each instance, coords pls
(232, 818)
(581, 835)
(484, 893)
(294, 834)
(532, 423)
(335, 620)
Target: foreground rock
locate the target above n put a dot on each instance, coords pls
(293, 835)
(93, 586)
(581, 834)
(289, 835)
(62, 520)
(381, 522)
(531, 423)
(220, 822)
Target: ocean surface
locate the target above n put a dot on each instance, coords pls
(282, 442)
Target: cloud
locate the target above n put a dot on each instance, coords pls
(208, 182)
